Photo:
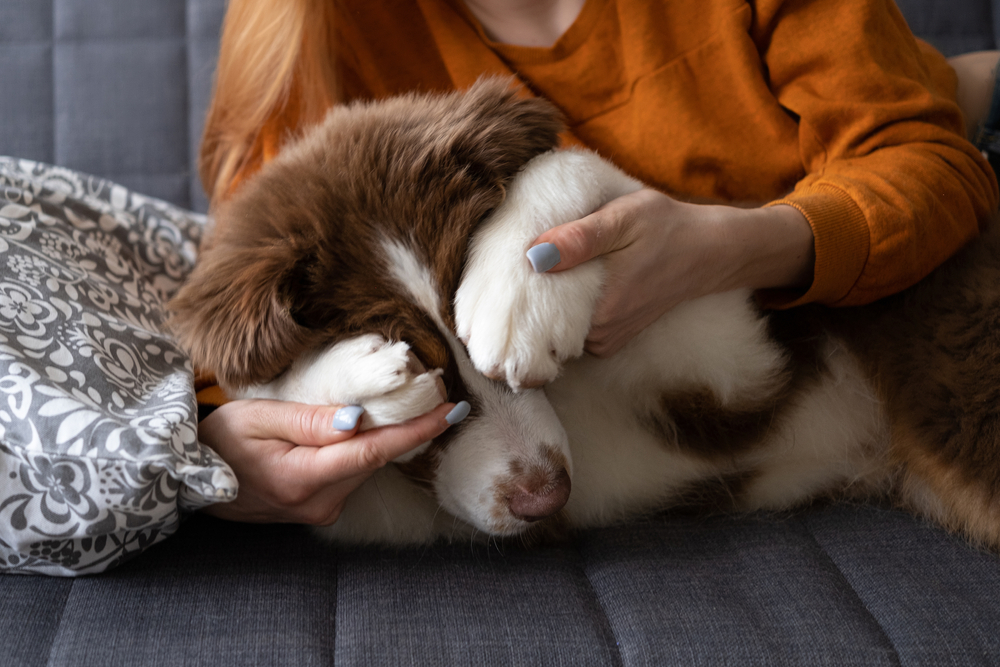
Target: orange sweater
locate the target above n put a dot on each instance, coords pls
(831, 106)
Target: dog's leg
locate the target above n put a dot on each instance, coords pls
(385, 378)
(521, 326)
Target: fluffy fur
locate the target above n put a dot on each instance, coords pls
(380, 260)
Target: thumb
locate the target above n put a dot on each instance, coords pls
(373, 449)
(574, 243)
(301, 424)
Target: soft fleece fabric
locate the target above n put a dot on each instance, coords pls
(831, 106)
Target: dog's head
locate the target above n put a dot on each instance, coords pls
(301, 257)
(280, 273)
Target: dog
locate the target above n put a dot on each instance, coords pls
(379, 260)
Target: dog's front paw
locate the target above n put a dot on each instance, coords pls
(419, 392)
(520, 326)
(383, 377)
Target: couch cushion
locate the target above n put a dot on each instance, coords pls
(828, 585)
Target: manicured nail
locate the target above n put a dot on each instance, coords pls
(458, 413)
(543, 257)
(346, 418)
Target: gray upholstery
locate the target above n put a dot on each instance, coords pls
(117, 88)
(955, 26)
(832, 585)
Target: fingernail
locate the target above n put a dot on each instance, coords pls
(543, 256)
(346, 418)
(458, 413)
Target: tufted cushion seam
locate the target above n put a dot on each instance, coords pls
(846, 586)
(59, 623)
(613, 642)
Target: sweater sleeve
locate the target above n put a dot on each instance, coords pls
(892, 186)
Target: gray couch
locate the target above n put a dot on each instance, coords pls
(117, 88)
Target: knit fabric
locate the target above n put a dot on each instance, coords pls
(830, 106)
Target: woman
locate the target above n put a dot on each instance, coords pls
(829, 112)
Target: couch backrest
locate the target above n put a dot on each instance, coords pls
(118, 88)
(115, 88)
(954, 26)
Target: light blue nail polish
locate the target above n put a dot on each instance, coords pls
(346, 418)
(458, 413)
(543, 256)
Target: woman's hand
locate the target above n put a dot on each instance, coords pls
(295, 465)
(659, 252)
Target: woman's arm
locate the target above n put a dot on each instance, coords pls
(659, 252)
(892, 187)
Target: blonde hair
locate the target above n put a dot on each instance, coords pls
(270, 51)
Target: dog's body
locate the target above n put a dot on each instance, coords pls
(391, 241)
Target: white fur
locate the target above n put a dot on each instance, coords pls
(507, 427)
(367, 371)
(717, 342)
(833, 435)
(530, 327)
(371, 372)
(518, 324)
(390, 509)
(833, 440)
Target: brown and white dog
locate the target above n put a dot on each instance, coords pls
(379, 260)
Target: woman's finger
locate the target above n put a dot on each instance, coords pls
(301, 424)
(367, 452)
(573, 243)
(607, 229)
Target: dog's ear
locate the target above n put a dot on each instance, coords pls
(493, 131)
(234, 315)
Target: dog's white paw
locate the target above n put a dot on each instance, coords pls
(385, 378)
(523, 327)
(518, 325)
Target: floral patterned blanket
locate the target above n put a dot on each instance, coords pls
(99, 454)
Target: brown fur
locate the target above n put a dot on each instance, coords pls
(270, 284)
(698, 422)
(279, 278)
(960, 503)
(933, 352)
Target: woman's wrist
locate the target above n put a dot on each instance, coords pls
(770, 247)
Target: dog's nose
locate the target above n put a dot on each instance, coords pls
(540, 496)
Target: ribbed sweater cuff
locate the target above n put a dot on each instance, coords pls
(842, 241)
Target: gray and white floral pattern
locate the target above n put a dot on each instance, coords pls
(98, 418)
